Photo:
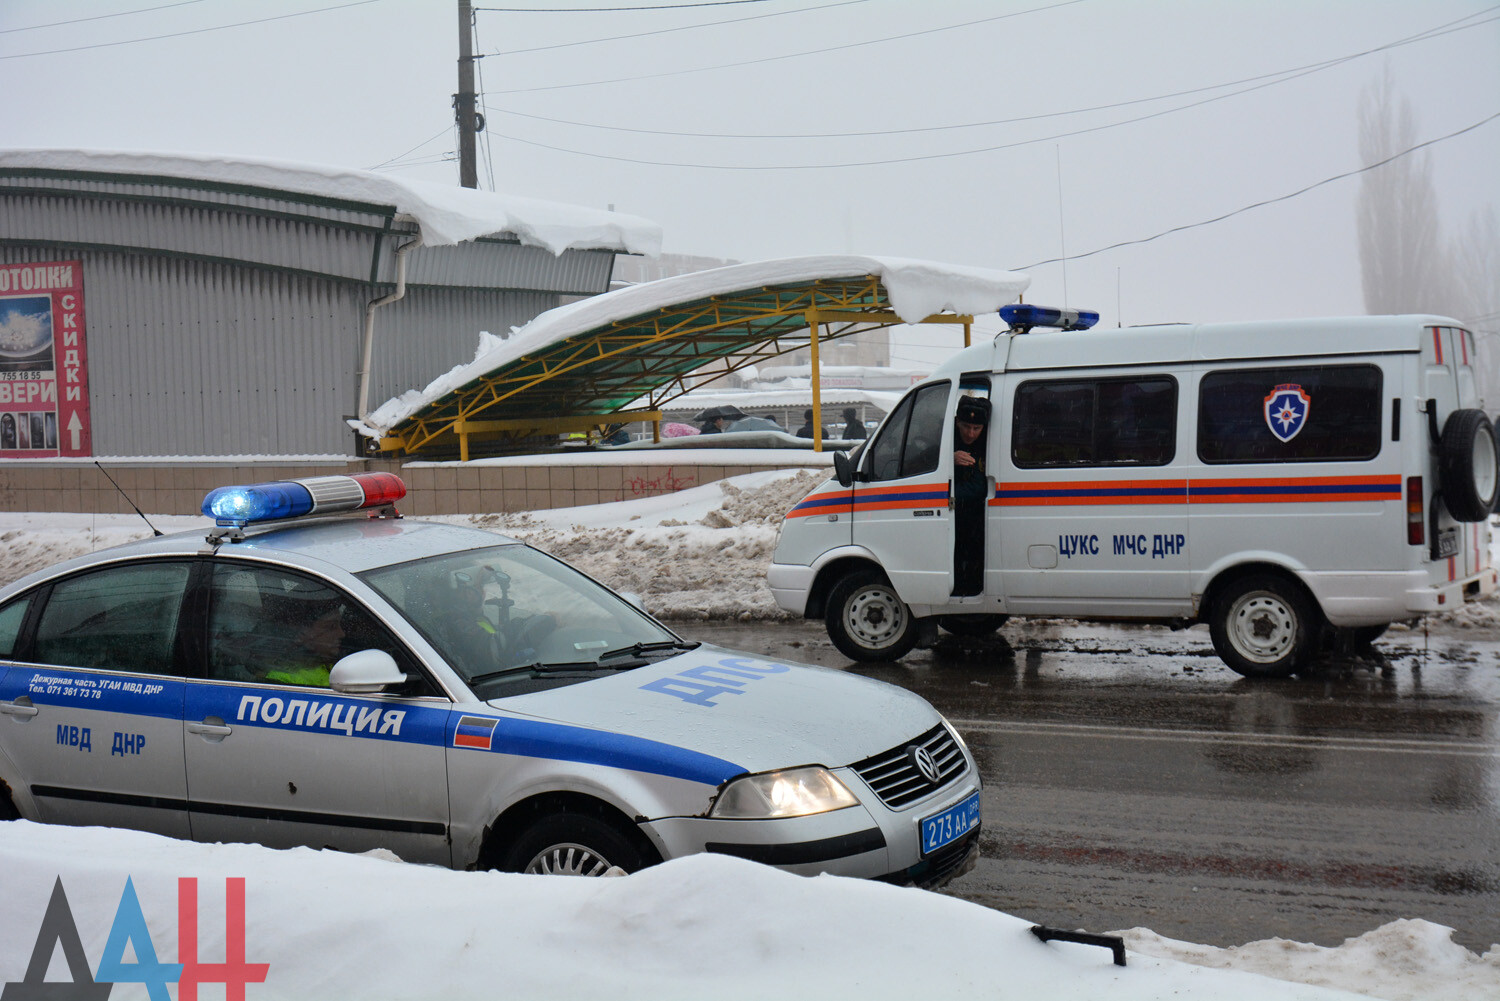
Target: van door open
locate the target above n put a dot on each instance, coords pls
(901, 511)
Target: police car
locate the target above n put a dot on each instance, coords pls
(357, 680)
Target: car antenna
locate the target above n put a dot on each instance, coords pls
(111, 479)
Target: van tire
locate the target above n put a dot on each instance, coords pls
(1264, 626)
(1468, 467)
(867, 620)
(972, 625)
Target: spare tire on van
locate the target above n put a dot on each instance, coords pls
(1468, 468)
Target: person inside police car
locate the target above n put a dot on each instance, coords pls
(316, 646)
(970, 490)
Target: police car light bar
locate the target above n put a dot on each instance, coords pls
(239, 506)
(1022, 316)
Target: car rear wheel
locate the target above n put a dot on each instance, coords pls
(572, 844)
(1468, 466)
(867, 620)
(1264, 626)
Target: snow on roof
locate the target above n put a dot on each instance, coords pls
(446, 214)
(917, 289)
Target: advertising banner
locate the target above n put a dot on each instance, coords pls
(44, 382)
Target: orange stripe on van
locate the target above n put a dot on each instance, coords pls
(1313, 489)
(1090, 492)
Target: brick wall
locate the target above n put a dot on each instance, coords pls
(448, 488)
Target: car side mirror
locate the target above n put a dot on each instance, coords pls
(365, 673)
(843, 469)
(633, 599)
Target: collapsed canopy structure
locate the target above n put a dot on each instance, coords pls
(623, 355)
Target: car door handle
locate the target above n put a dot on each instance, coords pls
(211, 727)
(21, 707)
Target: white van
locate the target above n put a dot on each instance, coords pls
(1291, 483)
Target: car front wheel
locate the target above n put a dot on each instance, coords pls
(867, 620)
(570, 844)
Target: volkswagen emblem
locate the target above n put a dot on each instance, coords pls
(922, 759)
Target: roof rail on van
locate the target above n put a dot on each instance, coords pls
(1022, 316)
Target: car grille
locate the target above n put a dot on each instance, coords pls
(895, 778)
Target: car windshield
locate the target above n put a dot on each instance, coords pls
(509, 615)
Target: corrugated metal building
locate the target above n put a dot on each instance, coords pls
(226, 318)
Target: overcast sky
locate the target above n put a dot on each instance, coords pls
(965, 129)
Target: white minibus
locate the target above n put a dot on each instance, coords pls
(1291, 483)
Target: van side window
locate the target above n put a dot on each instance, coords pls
(1095, 422)
(909, 443)
(1321, 413)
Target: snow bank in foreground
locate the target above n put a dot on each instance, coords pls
(707, 926)
(1405, 960)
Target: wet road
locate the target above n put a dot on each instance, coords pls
(1134, 780)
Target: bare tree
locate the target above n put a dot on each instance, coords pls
(1476, 283)
(1402, 259)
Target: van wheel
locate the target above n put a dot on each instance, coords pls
(972, 625)
(1467, 465)
(1264, 627)
(867, 620)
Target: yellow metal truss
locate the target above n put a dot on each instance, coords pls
(582, 382)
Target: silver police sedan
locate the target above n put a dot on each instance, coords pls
(319, 671)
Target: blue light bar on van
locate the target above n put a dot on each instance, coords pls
(1022, 316)
(242, 505)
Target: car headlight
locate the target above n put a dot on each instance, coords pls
(796, 792)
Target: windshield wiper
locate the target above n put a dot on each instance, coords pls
(641, 649)
(536, 668)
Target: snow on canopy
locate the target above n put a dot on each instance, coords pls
(916, 289)
(446, 214)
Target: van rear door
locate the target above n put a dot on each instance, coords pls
(1456, 549)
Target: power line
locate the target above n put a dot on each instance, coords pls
(424, 142)
(488, 148)
(195, 31)
(888, 161)
(1422, 36)
(100, 17)
(668, 31)
(1269, 201)
(795, 55)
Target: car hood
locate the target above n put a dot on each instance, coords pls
(756, 713)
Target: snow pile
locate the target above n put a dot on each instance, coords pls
(33, 542)
(917, 289)
(707, 926)
(1405, 960)
(697, 554)
(446, 214)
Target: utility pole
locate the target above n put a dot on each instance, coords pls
(469, 121)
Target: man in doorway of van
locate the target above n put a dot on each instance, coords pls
(969, 493)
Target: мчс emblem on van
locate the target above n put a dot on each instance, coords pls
(1286, 410)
